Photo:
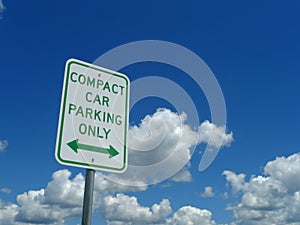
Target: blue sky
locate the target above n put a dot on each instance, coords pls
(253, 50)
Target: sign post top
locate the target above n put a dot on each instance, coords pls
(93, 122)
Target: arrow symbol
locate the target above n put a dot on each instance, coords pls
(75, 145)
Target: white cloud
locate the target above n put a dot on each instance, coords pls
(127, 210)
(3, 145)
(270, 199)
(183, 175)
(7, 213)
(286, 170)
(225, 195)
(32, 211)
(191, 215)
(162, 145)
(208, 192)
(64, 191)
(62, 199)
(212, 134)
(5, 190)
(106, 186)
(236, 181)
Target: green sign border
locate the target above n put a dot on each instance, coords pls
(62, 118)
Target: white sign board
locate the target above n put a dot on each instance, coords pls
(93, 123)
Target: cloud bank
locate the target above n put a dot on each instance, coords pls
(273, 198)
(62, 199)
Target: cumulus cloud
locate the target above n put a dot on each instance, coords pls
(162, 145)
(62, 190)
(212, 134)
(236, 181)
(3, 145)
(286, 170)
(208, 192)
(7, 213)
(32, 210)
(62, 199)
(191, 215)
(272, 198)
(105, 186)
(127, 210)
(183, 175)
(187, 215)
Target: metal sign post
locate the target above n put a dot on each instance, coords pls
(88, 197)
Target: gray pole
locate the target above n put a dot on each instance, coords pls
(88, 197)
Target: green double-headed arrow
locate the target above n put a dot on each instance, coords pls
(75, 145)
